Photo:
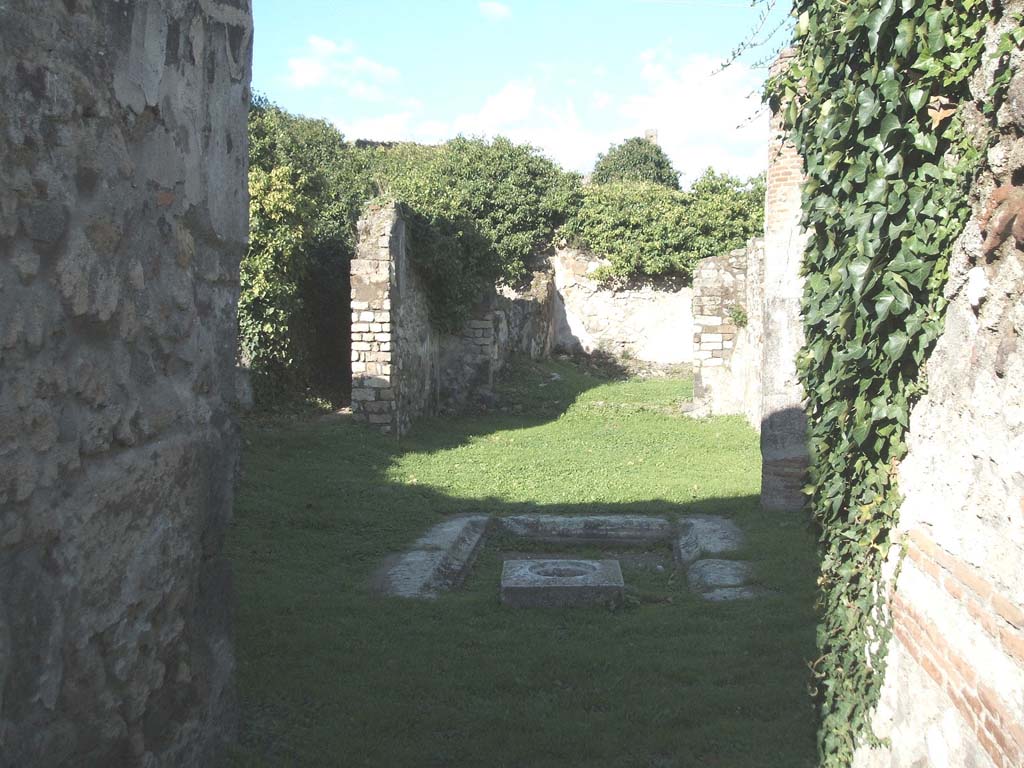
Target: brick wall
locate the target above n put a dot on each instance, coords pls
(719, 290)
(783, 422)
(372, 275)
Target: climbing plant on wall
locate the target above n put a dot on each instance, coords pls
(878, 102)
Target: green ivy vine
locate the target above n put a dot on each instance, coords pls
(876, 100)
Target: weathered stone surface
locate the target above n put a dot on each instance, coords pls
(559, 583)
(652, 323)
(703, 535)
(728, 594)
(705, 575)
(783, 423)
(440, 560)
(597, 529)
(123, 217)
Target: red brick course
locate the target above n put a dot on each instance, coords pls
(996, 728)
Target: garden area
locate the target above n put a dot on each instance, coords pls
(331, 673)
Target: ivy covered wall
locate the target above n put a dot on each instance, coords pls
(897, 108)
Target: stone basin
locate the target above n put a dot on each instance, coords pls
(560, 583)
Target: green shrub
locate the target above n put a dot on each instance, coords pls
(738, 315)
(648, 230)
(515, 197)
(635, 159)
(270, 303)
(326, 184)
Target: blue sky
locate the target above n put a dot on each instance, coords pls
(568, 76)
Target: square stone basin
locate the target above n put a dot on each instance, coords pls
(560, 583)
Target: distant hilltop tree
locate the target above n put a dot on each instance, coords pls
(635, 159)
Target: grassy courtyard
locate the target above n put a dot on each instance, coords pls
(332, 675)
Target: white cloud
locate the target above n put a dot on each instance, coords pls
(510, 106)
(327, 62)
(495, 11)
(306, 72)
(390, 127)
(703, 119)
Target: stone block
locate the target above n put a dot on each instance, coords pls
(439, 560)
(707, 575)
(703, 535)
(361, 393)
(561, 583)
(594, 529)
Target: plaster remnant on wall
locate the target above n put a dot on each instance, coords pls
(651, 323)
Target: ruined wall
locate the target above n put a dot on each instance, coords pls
(123, 218)
(402, 366)
(653, 323)
(954, 685)
(721, 351)
(783, 421)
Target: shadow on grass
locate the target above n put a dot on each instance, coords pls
(331, 675)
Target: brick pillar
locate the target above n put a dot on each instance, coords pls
(783, 420)
(372, 272)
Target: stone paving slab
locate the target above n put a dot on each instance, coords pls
(561, 583)
(440, 560)
(589, 529)
(703, 535)
(723, 580)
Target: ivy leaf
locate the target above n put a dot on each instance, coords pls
(917, 98)
(896, 345)
(890, 123)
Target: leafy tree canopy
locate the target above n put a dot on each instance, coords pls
(635, 159)
(648, 230)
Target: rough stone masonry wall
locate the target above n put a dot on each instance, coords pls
(123, 218)
(719, 290)
(652, 323)
(954, 686)
(783, 421)
(402, 366)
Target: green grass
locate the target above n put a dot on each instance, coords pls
(331, 675)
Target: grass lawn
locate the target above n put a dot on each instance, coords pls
(332, 675)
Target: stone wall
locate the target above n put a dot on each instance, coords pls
(652, 323)
(719, 291)
(954, 685)
(402, 366)
(123, 217)
(783, 421)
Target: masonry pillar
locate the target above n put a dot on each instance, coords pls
(783, 420)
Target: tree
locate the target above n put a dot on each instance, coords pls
(635, 159)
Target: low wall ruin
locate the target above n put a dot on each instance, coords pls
(402, 366)
(123, 218)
